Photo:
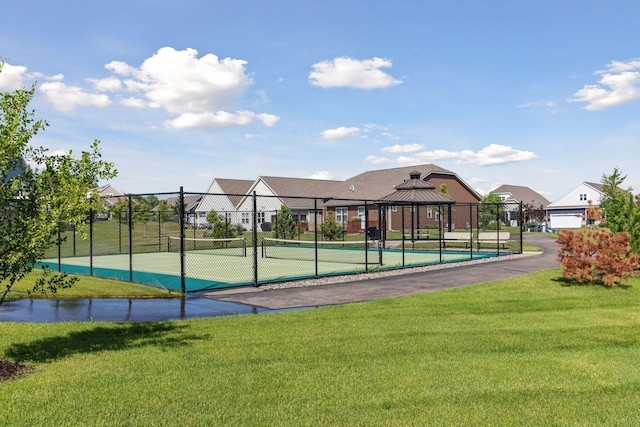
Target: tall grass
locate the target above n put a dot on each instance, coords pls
(523, 351)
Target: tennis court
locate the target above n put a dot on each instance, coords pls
(219, 263)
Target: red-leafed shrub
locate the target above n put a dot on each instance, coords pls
(597, 256)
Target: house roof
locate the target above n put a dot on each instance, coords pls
(596, 186)
(566, 201)
(305, 188)
(376, 184)
(416, 190)
(190, 201)
(235, 189)
(517, 193)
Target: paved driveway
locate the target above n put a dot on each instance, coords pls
(394, 286)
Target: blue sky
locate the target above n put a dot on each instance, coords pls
(544, 94)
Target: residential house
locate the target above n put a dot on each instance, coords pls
(191, 214)
(570, 211)
(348, 198)
(303, 196)
(223, 196)
(532, 202)
(109, 197)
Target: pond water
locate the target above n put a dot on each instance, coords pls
(120, 309)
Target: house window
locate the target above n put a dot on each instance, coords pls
(342, 215)
(583, 197)
(227, 216)
(361, 212)
(260, 217)
(394, 208)
(438, 215)
(246, 218)
(429, 213)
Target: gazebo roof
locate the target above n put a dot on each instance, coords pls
(416, 191)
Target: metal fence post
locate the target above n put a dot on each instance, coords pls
(130, 220)
(183, 287)
(254, 239)
(315, 239)
(90, 241)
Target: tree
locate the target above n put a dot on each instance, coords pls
(39, 193)
(621, 210)
(220, 227)
(533, 212)
(491, 210)
(330, 229)
(285, 226)
(589, 256)
(141, 210)
(165, 213)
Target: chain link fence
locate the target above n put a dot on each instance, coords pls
(197, 241)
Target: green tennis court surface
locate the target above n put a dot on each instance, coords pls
(208, 269)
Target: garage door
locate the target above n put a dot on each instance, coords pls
(565, 221)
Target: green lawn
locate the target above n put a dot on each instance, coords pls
(88, 287)
(523, 351)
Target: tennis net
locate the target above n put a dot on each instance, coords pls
(349, 252)
(233, 246)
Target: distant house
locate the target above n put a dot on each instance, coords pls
(570, 211)
(109, 197)
(296, 193)
(311, 200)
(513, 195)
(191, 214)
(378, 184)
(223, 196)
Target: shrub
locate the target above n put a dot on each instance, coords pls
(330, 229)
(597, 256)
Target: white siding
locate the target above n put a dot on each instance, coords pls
(573, 197)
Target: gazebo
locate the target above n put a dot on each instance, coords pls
(414, 193)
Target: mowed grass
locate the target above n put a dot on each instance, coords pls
(86, 287)
(524, 351)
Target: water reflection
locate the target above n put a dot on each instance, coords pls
(119, 309)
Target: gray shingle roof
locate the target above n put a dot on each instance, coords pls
(301, 187)
(235, 189)
(416, 190)
(376, 184)
(522, 194)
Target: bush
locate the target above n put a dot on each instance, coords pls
(330, 229)
(597, 256)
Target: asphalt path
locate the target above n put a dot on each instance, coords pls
(394, 286)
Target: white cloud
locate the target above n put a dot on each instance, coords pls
(180, 82)
(219, 119)
(550, 106)
(408, 161)
(133, 102)
(68, 98)
(349, 72)
(407, 148)
(618, 84)
(340, 132)
(199, 92)
(13, 77)
(375, 160)
(390, 135)
(493, 154)
(321, 175)
(109, 84)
